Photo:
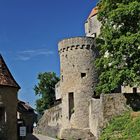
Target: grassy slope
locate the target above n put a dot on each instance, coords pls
(125, 127)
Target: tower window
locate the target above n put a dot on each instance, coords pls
(71, 104)
(62, 78)
(66, 56)
(2, 114)
(3, 70)
(94, 34)
(83, 75)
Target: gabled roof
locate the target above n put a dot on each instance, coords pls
(6, 78)
(93, 12)
(24, 107)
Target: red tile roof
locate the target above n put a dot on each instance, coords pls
(6, 78)
(93, 12)
(24, 107)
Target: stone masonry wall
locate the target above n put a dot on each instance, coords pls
(95, 116)
(57, 91)
(50, 122)
(8, 100)
(113, 105)
(104, 109)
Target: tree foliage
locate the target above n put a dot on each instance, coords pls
(118, 44)
(46, 90)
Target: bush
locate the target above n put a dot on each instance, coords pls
(123, 127)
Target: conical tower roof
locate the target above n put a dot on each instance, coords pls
(6, 78)
(93, 12)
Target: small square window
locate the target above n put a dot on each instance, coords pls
(83, 75)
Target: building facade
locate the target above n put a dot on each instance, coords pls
(8, 103)
(26, 116)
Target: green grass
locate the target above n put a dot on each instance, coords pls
(123, 127)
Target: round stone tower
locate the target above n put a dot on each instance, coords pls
(78, 80)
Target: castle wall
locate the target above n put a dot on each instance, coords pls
(104, 109)
(50, 122)
(57, 91)
(128, 89)
(8, 101)
(78, 79)
(95, 116)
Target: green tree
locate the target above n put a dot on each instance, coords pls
(46, 90)
(118, 44)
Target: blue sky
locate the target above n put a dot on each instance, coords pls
(29, 33)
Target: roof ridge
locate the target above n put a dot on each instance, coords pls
(6, 78)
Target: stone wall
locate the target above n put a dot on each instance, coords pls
(104, 109)
(8, 100)
(57, 91)
(95, 116)
(113, 105)
(128, 89)
(50, 122)
(77, 134)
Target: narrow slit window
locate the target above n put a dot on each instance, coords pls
(83, 75)
(62, 78)
(2, 114)
(71, 104)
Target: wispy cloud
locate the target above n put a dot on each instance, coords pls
(29, 54)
